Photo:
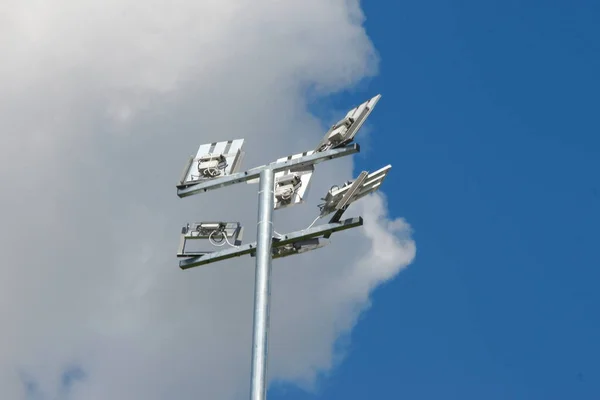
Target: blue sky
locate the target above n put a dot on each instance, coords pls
(489, 117)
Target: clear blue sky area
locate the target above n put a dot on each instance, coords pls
(490, 118)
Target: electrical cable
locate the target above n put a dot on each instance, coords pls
(311, 225)
(229, 243)
(222, 242)
(215, 243)
(212, 172)
(278, 234)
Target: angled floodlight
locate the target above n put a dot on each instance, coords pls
(299, 247)
(212, 161)
(339, 198)
(217, 233)
(343, 132)
(291, 184)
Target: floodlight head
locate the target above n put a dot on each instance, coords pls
(217, 233)
(291, 184)
(343, 132)
(212, 160)
(299, 247)
(285, 189)
(339, 198)
(211, 166)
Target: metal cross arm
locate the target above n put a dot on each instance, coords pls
(250, 248)
(314, 158)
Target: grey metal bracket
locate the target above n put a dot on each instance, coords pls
(254, 173)
(290, 238)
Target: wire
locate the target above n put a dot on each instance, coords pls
(311, 225)
(222, 242)
(212, 172)
(229, 243)
(215, 243)
(278, 234)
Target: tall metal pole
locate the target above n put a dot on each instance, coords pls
(262, 286)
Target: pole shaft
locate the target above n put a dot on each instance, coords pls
(262, 286)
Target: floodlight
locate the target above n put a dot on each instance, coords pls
(343, 132)
(291, 184)
(217, 233)
(212, 161)
(299, 247)
(339, 198)
(285, 188)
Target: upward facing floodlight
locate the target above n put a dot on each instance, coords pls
(291, 185)
(343, 132)
(282, 183)
(211, 161)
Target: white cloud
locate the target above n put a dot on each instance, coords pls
(102, 101)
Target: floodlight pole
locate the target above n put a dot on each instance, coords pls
(335, 144)
(262, 286)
